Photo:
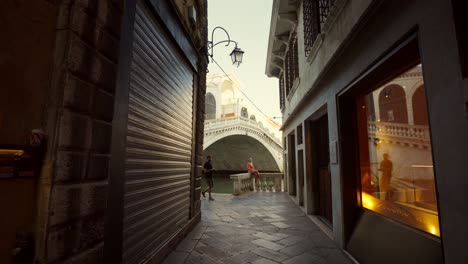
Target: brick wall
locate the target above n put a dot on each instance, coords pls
(83, 81)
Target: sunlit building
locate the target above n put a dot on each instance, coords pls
(374, 98)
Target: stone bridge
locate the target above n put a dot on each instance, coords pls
(232, 140)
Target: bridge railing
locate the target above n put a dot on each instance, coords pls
(213, 124)
(412, 132)
(245, 182)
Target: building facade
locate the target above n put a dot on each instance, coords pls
(374, 100)
(101, 128)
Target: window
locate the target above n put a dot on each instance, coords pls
(244, 112)
(311, 23)
(281, 91)
(210, 106)
(325, 7)
(291, 69)
(315, 14)
(397, 176)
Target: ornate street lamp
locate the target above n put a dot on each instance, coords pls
(236, 54)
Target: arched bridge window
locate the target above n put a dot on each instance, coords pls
(210, 106)
(420, 107)
(252, 117)
(244, 112)
(392, 104)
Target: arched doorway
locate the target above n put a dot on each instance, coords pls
(392, 104)
(420, 107)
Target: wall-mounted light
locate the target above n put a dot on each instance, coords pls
(387, 92)
(236, 54)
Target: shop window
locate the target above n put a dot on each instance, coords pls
(397, 176)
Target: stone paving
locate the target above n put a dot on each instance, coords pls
(256, 228)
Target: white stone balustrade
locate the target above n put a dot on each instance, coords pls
(412, 132)
(244, 182)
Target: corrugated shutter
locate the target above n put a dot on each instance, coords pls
(157, 184)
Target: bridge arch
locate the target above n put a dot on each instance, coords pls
(230, 153)
(247, 128)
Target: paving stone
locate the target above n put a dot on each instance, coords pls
(197, 258)
(273, 216)
(264, 261)
(306, 258)
(282, 235)
(300, 248)
(215, 243)
(268, 244)
(241, 258)
(197, 232)
(227, 219)
(186, 245)
(292, 240)
(266, 236)
(271, 254)
(236, 249)
(335, 256)
(280, 224)
(275, 219)
(213, 252)
(176, 258)
(217, 235)
(322, 240)
(256, 228)
(241, 239)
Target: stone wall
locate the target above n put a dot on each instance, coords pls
(80, 124)
(200, 114)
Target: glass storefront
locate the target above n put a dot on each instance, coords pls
(397, 175)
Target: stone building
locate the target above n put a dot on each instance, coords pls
(374, 96)
(101, 128)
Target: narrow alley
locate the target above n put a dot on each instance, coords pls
(257, 228)
(350, 118)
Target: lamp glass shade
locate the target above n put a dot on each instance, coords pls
(236, 56)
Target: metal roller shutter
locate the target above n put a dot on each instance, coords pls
(159, 139)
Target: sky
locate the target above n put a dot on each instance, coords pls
(248, 23)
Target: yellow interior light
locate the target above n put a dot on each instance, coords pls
(18, 152)
(367, 201)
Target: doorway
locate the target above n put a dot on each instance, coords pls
(292, 164)
(321, 176)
